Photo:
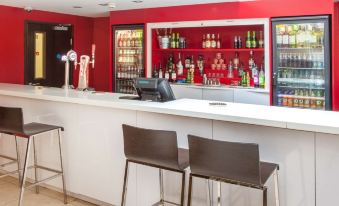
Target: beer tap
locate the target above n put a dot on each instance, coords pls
(83, 83)
(71, 56)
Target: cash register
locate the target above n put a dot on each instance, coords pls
(152, 89)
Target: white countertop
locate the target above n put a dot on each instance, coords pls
(299, 119)
(221, 87)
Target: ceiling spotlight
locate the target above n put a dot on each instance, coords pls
(137, 1)
(112, 5)
(77, 7)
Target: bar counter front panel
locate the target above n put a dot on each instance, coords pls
(94, 158)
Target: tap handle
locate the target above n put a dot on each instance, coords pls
(93, 55)
(75, 65)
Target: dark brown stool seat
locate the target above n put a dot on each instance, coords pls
(34, 128)
(157, 149)
(230, 162)
(11, 123)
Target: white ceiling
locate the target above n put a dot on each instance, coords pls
(92, 8)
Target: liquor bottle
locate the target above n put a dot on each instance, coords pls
(308, 36)
(200, 64)
(262, 77)
(213, 42)
(255, 76)
(120, 40)
(128, 43)
(187, 62)
(254, 43)
(248, 40)
(244, 79)
(218, 42)
(241, 70)
(285, 38)
(236, 61)
(230, 70)
(248, 79)
(177, 41)
(161, 75)
(173, 76)
(180, 67)
(167, 74)
(208, 41)
(124, 40)
(300, 36)
(292, 37)
(261, 40)
(203, 42)
(251, 60)
(239, 42)
(191, 70)
(155, 72)
(236, 43)
(173, 41)
(280, 31)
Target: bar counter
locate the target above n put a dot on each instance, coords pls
(305, 143)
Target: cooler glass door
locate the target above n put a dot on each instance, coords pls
(129, 57)
(301, 61)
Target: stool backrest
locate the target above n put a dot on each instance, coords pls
(238, 162)
(154, 147)
(11, 120)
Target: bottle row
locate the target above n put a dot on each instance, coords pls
(125, 86)
(173, 40)
(129, 72)
(299, 60)
(130, 51)
(302, 98)
(188, 69)
(300, 36)
(130, 59)
(130, 38)
(300, 74)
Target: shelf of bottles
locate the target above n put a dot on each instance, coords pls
(129, 59)
(229, 55)
(301, 68)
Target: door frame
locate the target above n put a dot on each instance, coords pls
(26, 57)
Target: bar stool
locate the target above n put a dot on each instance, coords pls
(230, 162)
(157, 149)
(11, 122)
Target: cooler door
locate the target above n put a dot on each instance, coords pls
(301, 60)
(129, 57)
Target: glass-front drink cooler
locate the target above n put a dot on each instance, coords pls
(302, 63)
(128, 51)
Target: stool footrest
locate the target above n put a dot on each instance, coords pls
(42, 181)
(9, 163)
(7, 157)
(48, 169)
(162, 203)
(9, 173)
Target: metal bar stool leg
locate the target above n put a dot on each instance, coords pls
(208, 189)
(24, 174)
(18, 159)
(124, 190)
(183, 181)
(190, 190)
(265, 196)
(276, 190)
(219, 193)
(161, 181)
(37, 189)
(62, 167)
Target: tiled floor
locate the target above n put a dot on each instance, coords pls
(9, 193)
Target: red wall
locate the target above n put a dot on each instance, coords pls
(236, 10)
(12, 38)
(101, 38)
